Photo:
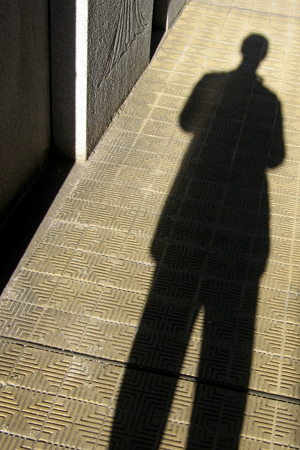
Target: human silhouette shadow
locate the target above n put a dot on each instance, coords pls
(211, 247)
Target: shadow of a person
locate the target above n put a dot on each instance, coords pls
(211, 247)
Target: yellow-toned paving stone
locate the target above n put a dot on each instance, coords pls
(159, 308)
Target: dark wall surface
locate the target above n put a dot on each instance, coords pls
(25, 95)
(118, 52)
(165, 12)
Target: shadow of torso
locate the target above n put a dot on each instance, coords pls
(221, 188)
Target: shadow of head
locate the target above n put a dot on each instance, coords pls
(254, 49)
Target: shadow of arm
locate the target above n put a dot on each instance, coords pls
(277, 151)
(194, 105)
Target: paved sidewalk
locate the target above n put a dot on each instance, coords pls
(159, 308)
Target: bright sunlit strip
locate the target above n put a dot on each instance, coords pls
(81, 78)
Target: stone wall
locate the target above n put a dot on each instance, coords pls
(119, 37)
(99, 49)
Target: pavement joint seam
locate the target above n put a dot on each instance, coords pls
(161, 372)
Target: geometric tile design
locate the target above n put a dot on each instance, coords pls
(160, 309)
(53, 399)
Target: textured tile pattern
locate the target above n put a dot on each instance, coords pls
(180, 243)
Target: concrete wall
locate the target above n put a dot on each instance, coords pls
(119, 38)
(165, 12)
(99, 48)
(25, 95)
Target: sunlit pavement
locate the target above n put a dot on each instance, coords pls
(159, 307)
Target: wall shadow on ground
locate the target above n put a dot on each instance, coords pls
(19, 228)
(211, 247)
